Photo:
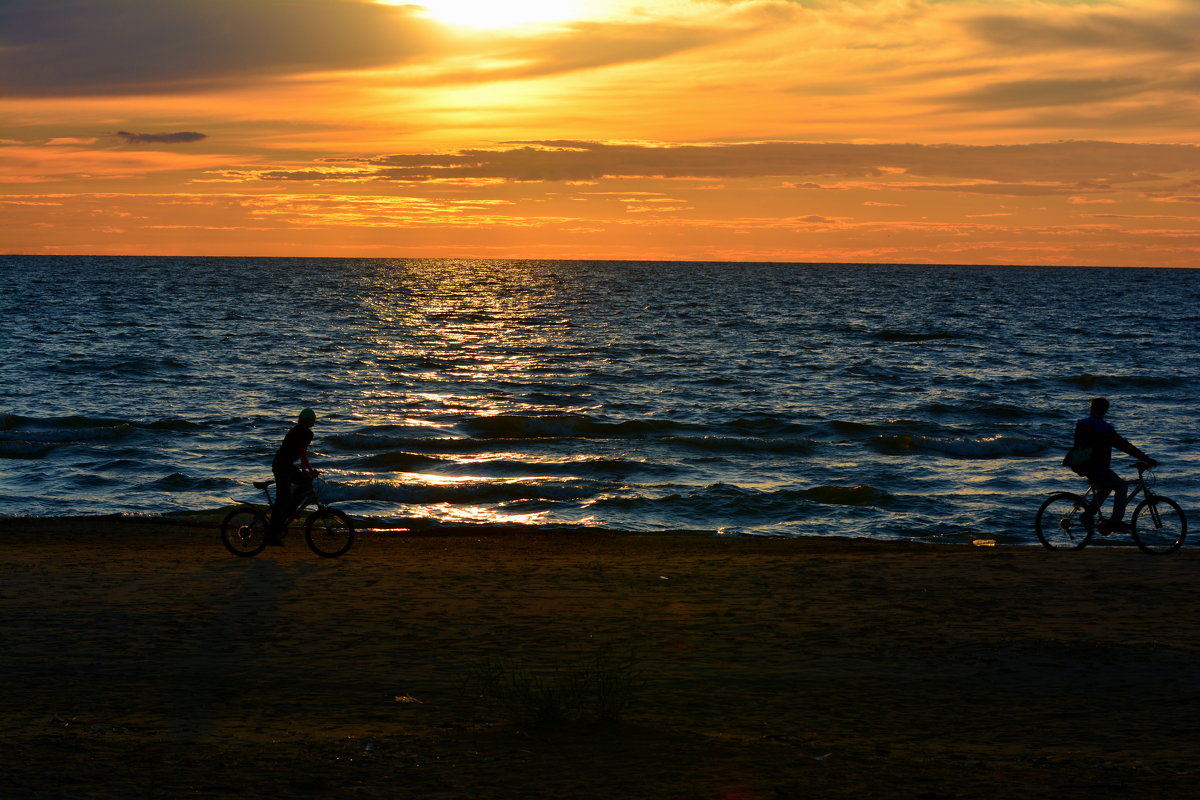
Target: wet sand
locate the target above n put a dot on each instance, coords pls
(139, 659)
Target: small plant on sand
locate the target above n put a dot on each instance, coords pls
(589, 690)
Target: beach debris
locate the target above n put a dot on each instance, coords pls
(59, 722)
(822, 758)
(663, 578)
(404, 698)
(984, 542)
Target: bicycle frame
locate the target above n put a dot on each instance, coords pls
(310, 497)
(1138, 486)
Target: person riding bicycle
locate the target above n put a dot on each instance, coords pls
(1091, 457)
(294, 448)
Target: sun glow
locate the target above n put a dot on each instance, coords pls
(502, 13)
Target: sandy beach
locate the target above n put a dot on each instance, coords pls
(141, 660)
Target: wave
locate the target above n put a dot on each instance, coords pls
(473, 493)
(990, 410)
(517, 426)
(858, 495)
(398, 462)
(767, 424)
(718, 504)
(603, 468)
(70, 427)
(854, 431)
(14, 421)
(172, 424)
(26, 450)
(997, 446)
(179, 482)
(93, 481)
(369, 442)
(1089, 381)
(747, 444)
(596, 468)
(101, 430)
(398, 449)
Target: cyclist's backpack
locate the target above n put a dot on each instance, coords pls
(1078, 459)
(1080, 456)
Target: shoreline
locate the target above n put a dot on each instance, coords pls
(204, 520)
(142, 659)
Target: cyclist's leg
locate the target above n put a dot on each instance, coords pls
(300, 484)
(1108, 482)
(1120, 496)
(282, 509)
(1100, 490)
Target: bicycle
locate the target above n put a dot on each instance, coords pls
(328, 531)
(1068, 521)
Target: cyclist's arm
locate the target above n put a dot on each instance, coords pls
(304, 460)
(1125, 446)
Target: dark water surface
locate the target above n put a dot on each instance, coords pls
(880, 401)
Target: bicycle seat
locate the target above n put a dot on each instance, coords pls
(262, 484)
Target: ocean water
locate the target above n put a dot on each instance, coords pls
(881, 401)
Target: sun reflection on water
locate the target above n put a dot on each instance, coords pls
(450, 347)
(473, 333)
(451, 514)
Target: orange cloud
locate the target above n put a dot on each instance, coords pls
(54, 163)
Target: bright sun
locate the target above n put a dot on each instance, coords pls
(501, 13)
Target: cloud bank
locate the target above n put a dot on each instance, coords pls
(183, 137)
(1083, 163)
(115, 47)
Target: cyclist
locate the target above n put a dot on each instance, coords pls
(294, 448)
(1091, 456)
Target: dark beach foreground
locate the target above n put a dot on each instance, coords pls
(141, 660)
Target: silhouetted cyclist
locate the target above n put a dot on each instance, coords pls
(1091, 457)
(291, 482)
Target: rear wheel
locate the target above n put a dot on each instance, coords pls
(244, 531)
(1062, 523)
(329, 532)
(1159, 526)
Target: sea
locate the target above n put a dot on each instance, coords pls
(877, 401)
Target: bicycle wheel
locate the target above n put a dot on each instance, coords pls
(329, 532)
(244, 531)
(1062, 523)
(1159, 526)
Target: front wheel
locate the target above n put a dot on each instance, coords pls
(329, 532)
(1159, 526)
(1063, 522)
(244, 531)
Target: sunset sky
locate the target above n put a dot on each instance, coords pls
(927, 131)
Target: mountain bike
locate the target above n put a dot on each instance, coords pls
(1067, 521)
(327, 530)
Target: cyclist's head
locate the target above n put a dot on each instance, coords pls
(308, 415)
(1098, 406)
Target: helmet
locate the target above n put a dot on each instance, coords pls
(308, 415)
